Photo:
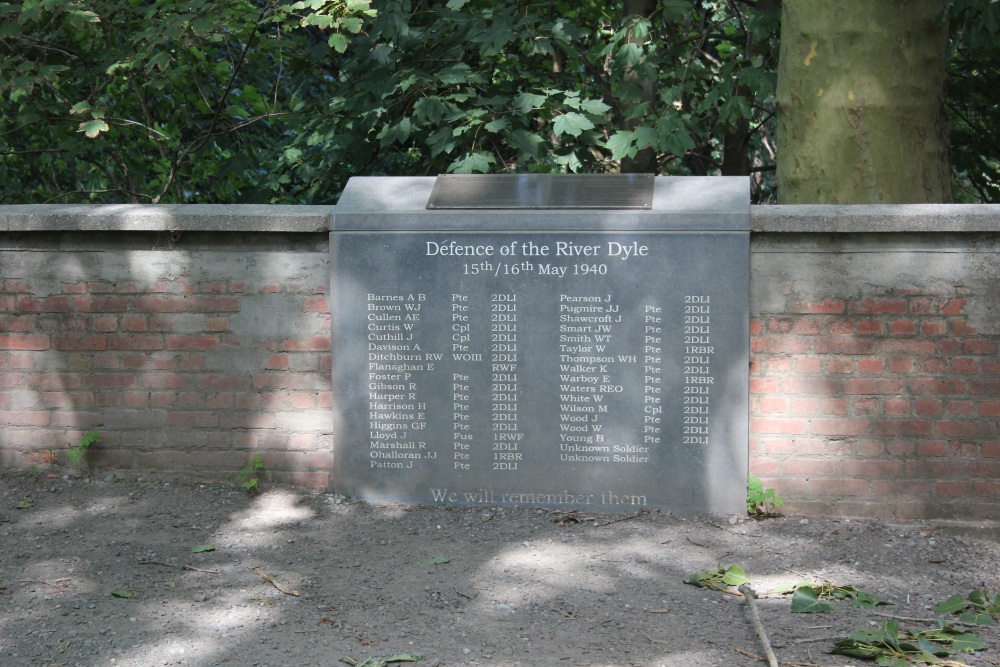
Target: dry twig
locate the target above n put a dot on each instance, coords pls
(281, 587)
(758, 626)
(47, 583)
(182, 567)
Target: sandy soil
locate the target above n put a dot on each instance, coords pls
(101, 572)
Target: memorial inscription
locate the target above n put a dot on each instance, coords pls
(547, 368)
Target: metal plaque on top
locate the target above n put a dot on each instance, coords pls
(542, 191)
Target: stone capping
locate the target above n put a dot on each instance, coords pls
(875, 219)
(164, 218)
(811, 219)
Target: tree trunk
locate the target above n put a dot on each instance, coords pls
(644, 161)
(861, 103)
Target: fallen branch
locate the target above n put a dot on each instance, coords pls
(182, 567)
(763, 659)
(928, 621)
(748, 594)
(656, 641)
(284, 589)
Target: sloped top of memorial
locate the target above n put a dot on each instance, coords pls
(679, 203)
(542, 191)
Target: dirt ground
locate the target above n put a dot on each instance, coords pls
(102, 572)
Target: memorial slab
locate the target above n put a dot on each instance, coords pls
(591, 359)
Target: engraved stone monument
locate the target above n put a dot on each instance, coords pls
(575, 342)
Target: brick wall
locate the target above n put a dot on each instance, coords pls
(875, 376)
(186, 352)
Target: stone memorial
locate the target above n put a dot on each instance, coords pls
(573, 342)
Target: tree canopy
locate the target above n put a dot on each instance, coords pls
(277, 101)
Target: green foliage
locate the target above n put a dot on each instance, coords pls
(181, 101)
(80, 449)
(809, 597)
(761, 502)
(978, 607)
(719, 579)
(248, 477)
(243, 101)
(891, 648)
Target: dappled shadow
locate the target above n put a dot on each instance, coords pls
(488, 586)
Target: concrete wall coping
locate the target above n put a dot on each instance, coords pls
(886, 218)
(818, 219)
(164, 217)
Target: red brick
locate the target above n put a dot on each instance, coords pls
(278, 362)
(225, 382)
(193, 419)
(79, 342)
(870, 405)
(882, 488)
(978, 346)
(237, 287)
(819, 406)
(763, 385)
(755, 327)
(166, 381)
(876, 386)
(920, 305)
(25, 418)
(871, 366)
(931, 448)
(184, 342)
(903, 427)
(137, 400)
(134, 323)
(324, 400)
(160, 304)
(22, 324)
(959, 407)
(842, 346)
(841, 327)
(216, 323)
(316, 304)
(811, 385)
(926, 407)
(964, 488)
(778, 365)
(901, 346)
(779, 325)
(24, 342)
(840, 365)
(900, 447)
(100, 304)
(990, 366)
(808, 326)
(772, 404)
(901, 364)
(839, 427)
(105, 324)
(16, 361)
(780, 345)
(810, 467)
(213, 304)
(826, 306)
(270, 289)
(935, 469)
(211, 287)
(903, 327)
(964, 366)
(989, 409)
(869, 327)
(808, 364)
(933, 366)
(967, 429)
(951, 347)
(314, 344)
(990, 450)
(991, 387)
(932, 386)
(963, 328)
(95, 286)
(933, 328)
(777, 425)
(319, 460)
(837, 487)
(14, 285)
(878, 306)
(142, 342)
(989, 470)
(193, 362)
(953, 306)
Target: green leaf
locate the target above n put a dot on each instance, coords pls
(93, 128)
(952, 605)
(199, 548)
(338, 42)
(471, 163)
(528, 143)
(976, 618)
(621, 145)
(526, 102)
(571, 123)
(806, 601)
(456, 4)
(436, 560)
(735, 576)
(596, 107)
